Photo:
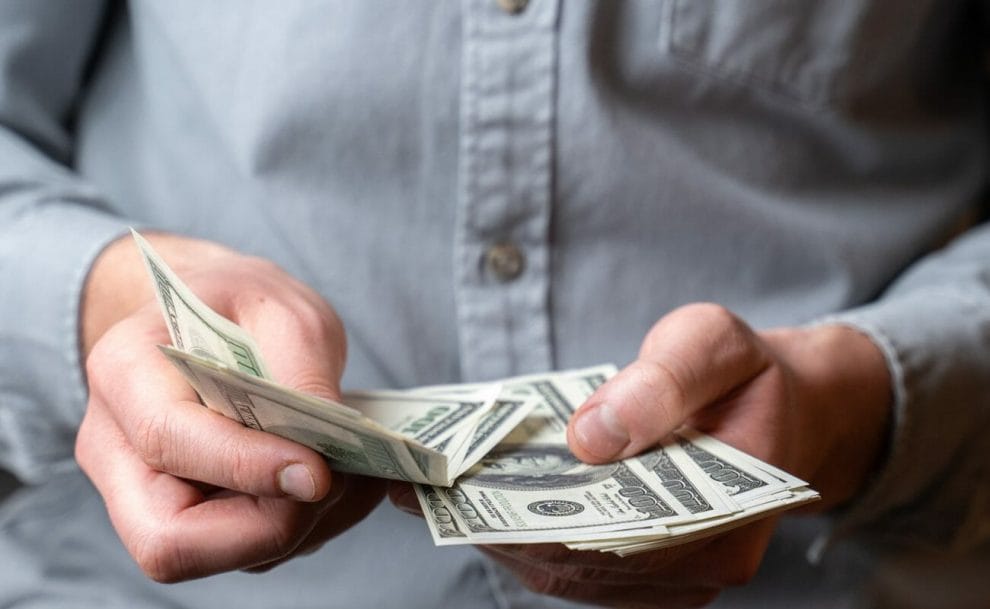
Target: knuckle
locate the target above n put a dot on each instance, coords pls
(98, 368)
(233, 468)
(317, 322)
(306, 319)
(282, 539)
(666, 391)
(159, 558)
(286, 530)
(93, 365)
(703, 336)
(299, 317)
(729, 333)
(153, 441)
(282, 543)
(713, 319)
(711, 314)
(111, 353)
(261, 265)
(81, 450)
(294, 304)
(312, 382)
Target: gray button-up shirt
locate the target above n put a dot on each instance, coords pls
(794, 160)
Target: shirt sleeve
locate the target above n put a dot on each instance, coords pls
(933, 326)
(52, 225)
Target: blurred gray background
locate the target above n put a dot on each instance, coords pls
(7, 484)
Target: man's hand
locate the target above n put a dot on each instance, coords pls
(813, 401)
(190, 492)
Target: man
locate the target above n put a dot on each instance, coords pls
(478, 190)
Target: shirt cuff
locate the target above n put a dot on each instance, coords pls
(933, 483)
(45, 257)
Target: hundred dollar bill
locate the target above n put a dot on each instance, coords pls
(731, 453)
(350, 441)
(194, 327)
(513, 406)
(685, 533)
(680, 476)
(757, 488)
(439, 517)
(560, 395)
(538, 493)
(738, 476)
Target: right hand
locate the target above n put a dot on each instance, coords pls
(190, 492)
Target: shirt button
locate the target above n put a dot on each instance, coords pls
(505, 261)
(513, 7)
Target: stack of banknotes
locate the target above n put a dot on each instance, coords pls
(489, 461)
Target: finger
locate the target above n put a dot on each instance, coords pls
(596, 567)
(691, 358)
(189, 441)
(157, 411)
(403, 496)
(359, 498)
(172, 531)
(127, 355)
(360, 495)
(586, 587)
(732, 559)
(646, 566)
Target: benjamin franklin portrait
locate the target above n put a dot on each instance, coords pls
(529, 466)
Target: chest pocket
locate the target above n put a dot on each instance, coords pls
(809, 51)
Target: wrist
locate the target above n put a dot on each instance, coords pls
(844, 386)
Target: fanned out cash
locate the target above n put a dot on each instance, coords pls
(530, 489)
(490, 461)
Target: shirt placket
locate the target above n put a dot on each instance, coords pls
(502, 249)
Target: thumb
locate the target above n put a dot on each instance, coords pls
(690, 358)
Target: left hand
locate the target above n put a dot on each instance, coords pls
(190, 492)
(813, 401)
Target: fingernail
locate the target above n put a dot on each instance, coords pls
(600, 432)
(296, 481)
